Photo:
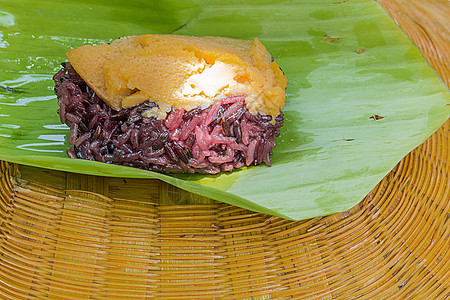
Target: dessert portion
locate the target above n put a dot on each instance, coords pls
(172, 103)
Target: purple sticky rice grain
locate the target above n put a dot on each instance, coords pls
(222, 137)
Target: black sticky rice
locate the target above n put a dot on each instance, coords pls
(222, 137)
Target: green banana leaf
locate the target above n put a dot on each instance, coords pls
(360, 94)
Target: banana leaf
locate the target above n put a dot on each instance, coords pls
(360, 94)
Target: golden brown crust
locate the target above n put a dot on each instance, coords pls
(181, 71)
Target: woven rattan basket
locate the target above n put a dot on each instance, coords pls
(70, 236)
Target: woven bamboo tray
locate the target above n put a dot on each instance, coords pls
(70, 236)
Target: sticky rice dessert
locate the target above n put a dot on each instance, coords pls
(172, 103)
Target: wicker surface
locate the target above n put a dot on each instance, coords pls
(69, 236)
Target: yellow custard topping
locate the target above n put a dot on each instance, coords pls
(181, 72)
